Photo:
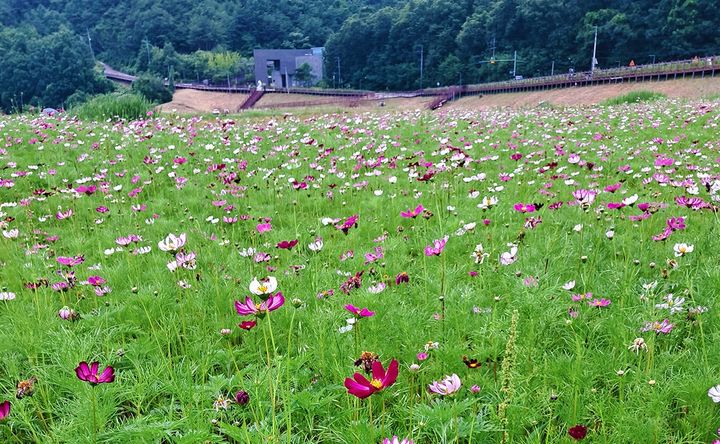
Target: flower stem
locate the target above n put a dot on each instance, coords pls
(94, 414)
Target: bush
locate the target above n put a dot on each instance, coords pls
(152, 88)
(114, 106)
(635, 97)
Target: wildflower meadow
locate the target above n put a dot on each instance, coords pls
(539, 276)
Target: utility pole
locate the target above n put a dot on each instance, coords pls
(90, 44)
(594, 60)
(422, 55)
(514, 65)
(552, 68)
(338, 70)
(653, 56)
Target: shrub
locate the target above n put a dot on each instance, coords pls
(634, 97)
(152, 88)
(114, 106)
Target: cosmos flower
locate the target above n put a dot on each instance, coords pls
(359, 312)
(7, 296)
(637, 345)
(90, 373)
(479, 254)
(316, 245)
(4, 410)
(249, 307)
(173, 243)
(71, 261)
(509, 257)
(402, 277)
(683, 249)
(577, 432)
(664, 327)
(602, 302)
(713, 393)
(263, 286)
(359, 386)
(448, 386)
(436, 248)
(413, 213)
(287, 245)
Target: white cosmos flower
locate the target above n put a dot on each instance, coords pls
(172, 242)
(479, 254)
(610, 234)
(569, 285)
(248, 252)
(683, 249)
(509, 257)
(7, 296)
(317, 245)
(630, 200)
(263, 286)
(714, 393)
(578, 228)
(11, 234)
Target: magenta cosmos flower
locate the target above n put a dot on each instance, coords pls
(251, 308)
(437, 247)
(90, 373)
(349, 223)
(413, 213)
(360, 312)
(359, 386)
(4, 410)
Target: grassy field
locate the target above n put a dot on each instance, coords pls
(535, 276)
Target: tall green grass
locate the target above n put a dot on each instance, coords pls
(122, 105)
(634, 97)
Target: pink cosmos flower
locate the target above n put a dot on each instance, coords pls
(360, 312)
(402, 277)
(90, 373)
(448, 386)
(413, 213)
(584, 197)
(251, 308)
(71, 261)
(247, 325)
(262, 228)
(359, 386)
(436, 248)
(664, 327)
(602, 302)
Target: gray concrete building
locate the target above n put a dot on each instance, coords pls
(277, 68)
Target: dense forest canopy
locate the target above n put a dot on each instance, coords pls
(378, 43)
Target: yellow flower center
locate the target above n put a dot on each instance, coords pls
(376, 383)
(262, 289)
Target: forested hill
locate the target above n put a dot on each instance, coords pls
(377, 43)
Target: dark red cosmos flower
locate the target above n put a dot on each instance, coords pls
(247, 325)
(90, 373)
(287, 245)
(577, 432)
(402, 278)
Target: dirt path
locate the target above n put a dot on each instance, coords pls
(590, 95)
(192, 101)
